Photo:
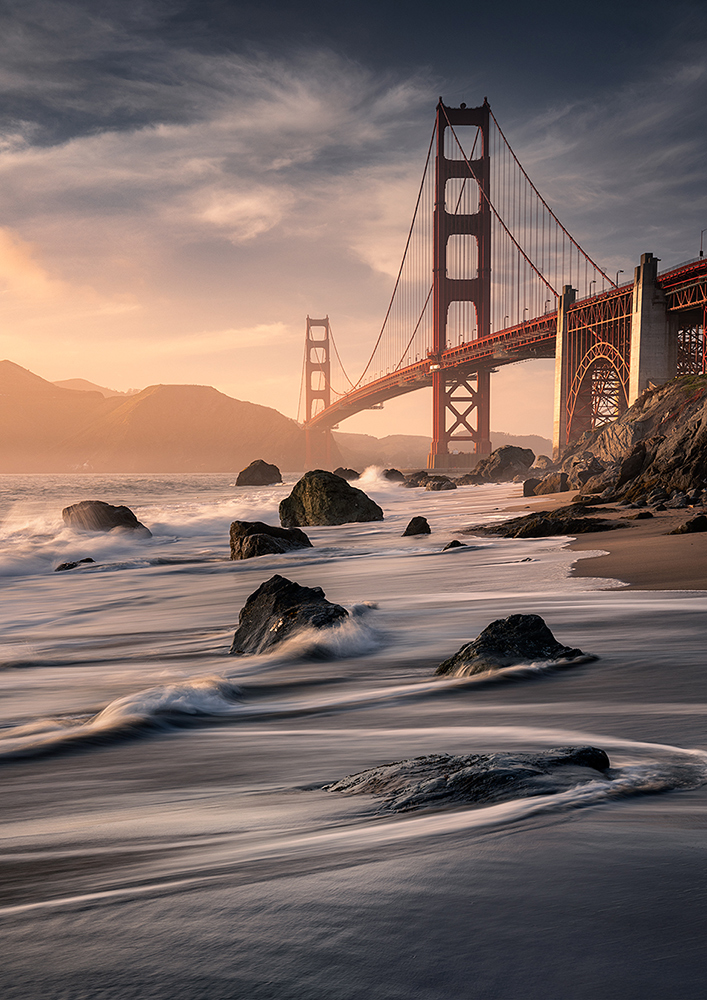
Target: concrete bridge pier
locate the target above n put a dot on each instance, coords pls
(562, 354)
(653, 344)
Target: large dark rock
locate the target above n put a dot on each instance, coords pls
(95, 515)
(546, 523)
(555, 482)
(393, 475)
(323, 498)
(277, 610)
(506, 642)
(254, 538)
(347, 474)
(259, 473)
(503, 464)
(529, 487)
(441, 779)
(417, 526)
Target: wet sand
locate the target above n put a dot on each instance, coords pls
(643, 556)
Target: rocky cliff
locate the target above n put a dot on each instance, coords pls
(660, 442)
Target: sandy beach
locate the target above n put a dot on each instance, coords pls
(642, 556)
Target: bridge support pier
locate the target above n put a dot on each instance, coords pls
(653, 348)
(562, 365)
(455, 397)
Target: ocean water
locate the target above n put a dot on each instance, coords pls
(166, 831)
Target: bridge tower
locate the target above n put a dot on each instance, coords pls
(317, 375)
(454, 397)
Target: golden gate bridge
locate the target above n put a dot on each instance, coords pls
(489, 277)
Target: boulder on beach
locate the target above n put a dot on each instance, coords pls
(529, 487)
(503, 464)
(417, 526)
(254, 538)
(546, 523)
(95, 515)
(441, 779)
(393, 475)
(277, 610)
(322, 498)
(259, 473)
(505, 643)
(347, 474)
(555, 482)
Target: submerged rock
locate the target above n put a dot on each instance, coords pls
(417, 526)
(259, 473)
(322, 498)
(442, 779)
(505, 643)
(277, 610)
(96, 515)
(254, 538)
(454, 544)
(72, 565)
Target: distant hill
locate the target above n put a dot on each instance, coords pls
(84, 385)
(410, 451)
(164, 428)
(186, 428)
(78, 426)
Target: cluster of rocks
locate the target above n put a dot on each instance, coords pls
(427, 481)
(481, 778)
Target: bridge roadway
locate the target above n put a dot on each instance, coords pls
(685, 286)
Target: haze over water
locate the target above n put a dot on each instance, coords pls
(166, 832)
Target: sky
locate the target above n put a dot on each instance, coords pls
(183, 181)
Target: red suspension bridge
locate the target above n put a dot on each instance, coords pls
(490, 277)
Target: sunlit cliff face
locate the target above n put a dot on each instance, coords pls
(216, 198)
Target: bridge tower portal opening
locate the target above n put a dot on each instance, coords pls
(456, 401)
(317, 392)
